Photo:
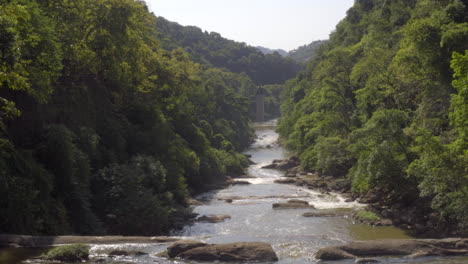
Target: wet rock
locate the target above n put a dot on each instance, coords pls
(366, 260)
(291, 206)
(228, 200)
(286, 181)
(324, 214)
(284, 165)
(244, 252)
(290, 175)
(270, 166)
(212, 218)
(297, 201)
(277, 161)
(119, 252)
(239, 182)
(384, 222)
(392, 247)
(193, 202)
(182, 246)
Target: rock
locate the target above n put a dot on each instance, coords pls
(193, 202)
(212, 218)
(270, 166)
(228, 200)
(290, 175)
(384, 222)
(277, 161)
(119, 252)
(286, 181)
(284, 165)
(244, 251)
(240, 183)
(365, 260)
(248, 156)
(291, 206)
(68, 253)
(182, 246)
(297, 201)
(324, 214)
(392, 247)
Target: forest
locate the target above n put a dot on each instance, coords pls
(105, 128)
(384, 103)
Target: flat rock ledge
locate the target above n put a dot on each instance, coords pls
(45, 241)
(396, 247)
(242, 251)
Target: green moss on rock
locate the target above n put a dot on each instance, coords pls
(69, 253)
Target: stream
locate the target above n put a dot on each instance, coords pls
(294, 238)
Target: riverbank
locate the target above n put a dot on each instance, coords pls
(7, 240)
(413, 215)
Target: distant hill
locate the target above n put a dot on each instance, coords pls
(210, 48)
(306, 52)
(281, 52)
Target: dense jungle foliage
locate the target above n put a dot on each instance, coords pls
(101, 129)
(385, 104)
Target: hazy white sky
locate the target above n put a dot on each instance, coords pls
(285, 24)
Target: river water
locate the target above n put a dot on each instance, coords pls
(294, 238)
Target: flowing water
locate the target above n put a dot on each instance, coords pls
(294, 238)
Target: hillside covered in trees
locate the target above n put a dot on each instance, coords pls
(305, 53)
(210, 48)
(384, 104)
(101, 129)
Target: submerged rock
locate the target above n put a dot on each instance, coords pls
(292, 206)
(393, 247)
(119, 252)
(212, 218)
(243, 251)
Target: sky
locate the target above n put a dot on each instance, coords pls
(274, 24)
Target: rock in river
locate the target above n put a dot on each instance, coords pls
(212, 218)
(393, 247)
(293, 205)
(182, 246)
(243, 251)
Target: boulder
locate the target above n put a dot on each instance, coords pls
(292, 206)
(239, 182)
(182, 246)
(270, 166)
(286, 181)
(393, 247)
(284, 165)
(297, 201)
(243, 251)
(212, 218)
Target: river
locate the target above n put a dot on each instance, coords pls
(294, 238)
